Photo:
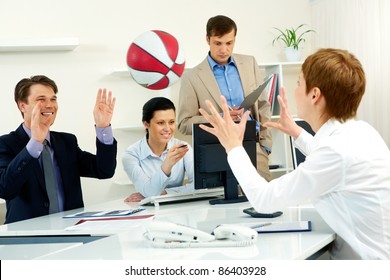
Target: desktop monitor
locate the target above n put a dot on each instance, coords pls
(297, 155)
(211, 168)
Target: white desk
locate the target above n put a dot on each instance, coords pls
(32, 251)
(131, 245)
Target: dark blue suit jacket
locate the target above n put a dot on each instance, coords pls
(22, 183)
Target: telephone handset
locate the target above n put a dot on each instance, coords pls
(164, 234)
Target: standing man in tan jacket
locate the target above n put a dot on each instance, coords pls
(232, 75)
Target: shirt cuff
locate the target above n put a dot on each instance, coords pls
(266, 149)
(34, 148)
(104, 135)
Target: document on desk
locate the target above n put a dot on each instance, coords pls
(280, 226)
(107, 214)
(109, 224)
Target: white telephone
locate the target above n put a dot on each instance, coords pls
(165, 234)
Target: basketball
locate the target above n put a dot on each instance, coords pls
(155, 60)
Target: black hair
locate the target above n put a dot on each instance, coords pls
(220, 25)
(153, 105)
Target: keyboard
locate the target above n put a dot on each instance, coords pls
(156, 200)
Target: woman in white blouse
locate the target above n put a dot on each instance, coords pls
(346, 173)
(157, 163)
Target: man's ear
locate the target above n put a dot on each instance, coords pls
(208, 40)
(146, 125)
(21, 106)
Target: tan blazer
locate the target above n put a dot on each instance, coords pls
(199, 84)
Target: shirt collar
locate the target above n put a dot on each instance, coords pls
(146, 151)
(328, 127)
(214, 64)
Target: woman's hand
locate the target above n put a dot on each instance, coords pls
(175, 154)
(229, 133)
(134, 197)
(286, 122)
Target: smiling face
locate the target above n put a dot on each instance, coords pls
(221, 47)
(161, 127)
(44, 99)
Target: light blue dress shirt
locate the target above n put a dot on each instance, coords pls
(228, 80)
(144, 169)
(229, 83)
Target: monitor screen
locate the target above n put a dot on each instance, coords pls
(297, 155)
(211, 168)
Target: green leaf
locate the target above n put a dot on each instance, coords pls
(291, 37)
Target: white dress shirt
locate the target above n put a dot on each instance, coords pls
(346, 175)
(144, 169)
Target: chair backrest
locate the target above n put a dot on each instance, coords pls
(297, 156)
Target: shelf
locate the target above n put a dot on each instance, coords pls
(122, 73)
(38, 45)
(130, 128)
(281, 63)
(125, 73)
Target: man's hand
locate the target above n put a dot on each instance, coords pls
(236, 113)
(104, 108)
(40, 122)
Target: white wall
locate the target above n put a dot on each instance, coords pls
(105, 30)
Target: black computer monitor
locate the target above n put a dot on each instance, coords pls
(297, 155)
(211, 168)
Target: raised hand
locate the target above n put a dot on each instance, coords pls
(41, 120)
(104, 108)
(229, 133)
(286, 122)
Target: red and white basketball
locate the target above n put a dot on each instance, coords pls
(155, 60)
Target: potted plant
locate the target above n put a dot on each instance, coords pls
(291, 39)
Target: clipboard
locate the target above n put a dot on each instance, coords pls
(250, 99)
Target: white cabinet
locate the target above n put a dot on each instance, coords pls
(288, 73)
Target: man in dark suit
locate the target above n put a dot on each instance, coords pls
(22, 180)
(224, 73)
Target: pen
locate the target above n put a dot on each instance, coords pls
(260, 225)
(231, 109)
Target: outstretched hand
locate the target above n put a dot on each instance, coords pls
(104, 108)
(286, 122)
(229, 133)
